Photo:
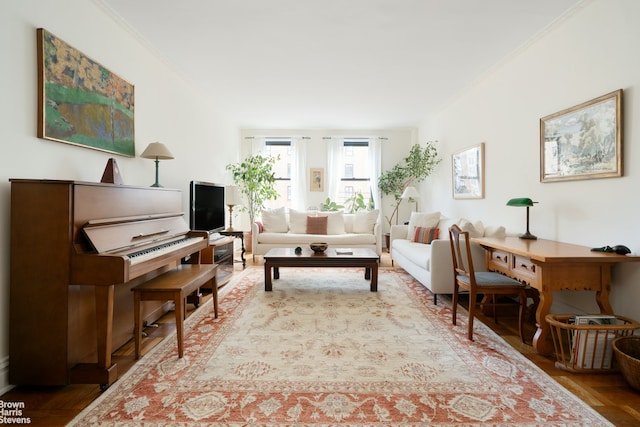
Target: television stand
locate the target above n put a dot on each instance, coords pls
(214, 237)
(220, 251)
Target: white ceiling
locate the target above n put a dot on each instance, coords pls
(334, 64)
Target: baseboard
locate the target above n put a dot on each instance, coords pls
(4, 375)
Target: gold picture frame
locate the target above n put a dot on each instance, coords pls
(584, 141)
(468, 172)
(316, 179)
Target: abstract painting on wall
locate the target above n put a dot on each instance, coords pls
(80, 101)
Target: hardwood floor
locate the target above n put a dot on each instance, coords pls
(608, 394)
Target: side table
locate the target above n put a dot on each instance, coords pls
(238, 235)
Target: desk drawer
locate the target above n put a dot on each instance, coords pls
(499, 261)
(523, 268)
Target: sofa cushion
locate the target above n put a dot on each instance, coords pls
(334, 240)
(494, 231)
(425, 235)
(274, 220)
(444, 224)
(363, 222)
(335, 222)
(416, 253)
(422, 219)
(475, 229)
(298, 221)
(317, 225)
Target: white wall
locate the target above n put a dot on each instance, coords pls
(395, 147)
(590, 53)
(167, 110)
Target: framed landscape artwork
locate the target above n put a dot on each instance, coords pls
(468, 173)
(583, 142)
(80, 102)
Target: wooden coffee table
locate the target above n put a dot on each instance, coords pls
(286, 257)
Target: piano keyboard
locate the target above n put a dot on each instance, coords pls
(156, 251)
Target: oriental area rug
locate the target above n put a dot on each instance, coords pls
(322, 350)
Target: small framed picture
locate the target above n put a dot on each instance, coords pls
(316, 179)
(468, 172)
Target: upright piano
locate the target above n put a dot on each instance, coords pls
(77, 249)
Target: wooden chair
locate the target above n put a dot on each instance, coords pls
(484, 283)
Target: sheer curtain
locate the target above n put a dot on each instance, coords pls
(258, 145)
(299, 178)
(375, 161)
(334, 166)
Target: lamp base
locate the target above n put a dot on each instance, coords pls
(156, 184)
(230, 228)
(528, 236)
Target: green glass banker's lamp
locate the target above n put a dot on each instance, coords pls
(524, 201)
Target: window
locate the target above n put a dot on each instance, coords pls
(356, 168)
(281, 150)
(348, 191)
(348, 170)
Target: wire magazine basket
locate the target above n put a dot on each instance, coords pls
(583, 343)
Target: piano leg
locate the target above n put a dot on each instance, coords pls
(104, 316)
(104, 372)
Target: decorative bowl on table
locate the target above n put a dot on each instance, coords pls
(318, 247)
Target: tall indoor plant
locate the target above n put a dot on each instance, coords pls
(418, 165)
(255, 179)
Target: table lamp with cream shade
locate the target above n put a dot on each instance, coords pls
(157, 151)
(412, 194)
(231, 198)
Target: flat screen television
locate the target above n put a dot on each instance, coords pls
(207, 208)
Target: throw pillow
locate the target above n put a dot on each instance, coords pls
(365, 221)
(317, 225)
(466, 225)
(425, 235)
(494, 231)
(335, 222)
(444, 224)
(298, 221)
(274, 221)
(422, 219)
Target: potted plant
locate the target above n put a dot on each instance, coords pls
(418, 165)
(255, 179)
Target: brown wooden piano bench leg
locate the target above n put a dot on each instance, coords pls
(173, 285)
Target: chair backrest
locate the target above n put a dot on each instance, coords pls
(461, 253)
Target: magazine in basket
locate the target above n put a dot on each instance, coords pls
(592, 347)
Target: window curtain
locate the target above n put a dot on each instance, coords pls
(334, 166)
(375, 168)
(258, 146)
(299, 176)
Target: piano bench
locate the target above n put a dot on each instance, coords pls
(174, 285)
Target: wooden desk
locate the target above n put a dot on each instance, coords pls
(550, 266)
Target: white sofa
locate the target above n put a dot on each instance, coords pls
(431, 264)
(281, 229)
